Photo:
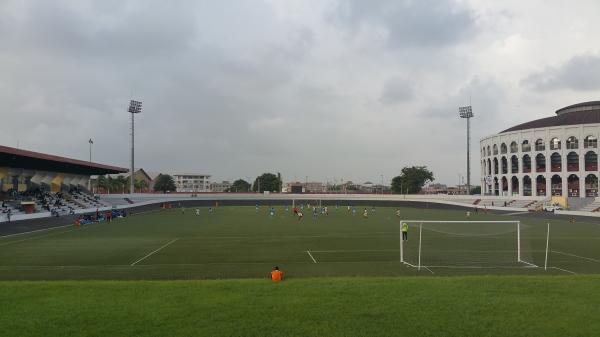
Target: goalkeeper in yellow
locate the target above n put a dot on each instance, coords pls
(404, 231)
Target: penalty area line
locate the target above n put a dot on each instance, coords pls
(154, 251)
(309, 254)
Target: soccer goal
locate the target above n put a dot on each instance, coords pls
(464, 244)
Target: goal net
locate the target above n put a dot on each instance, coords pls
(465, 244)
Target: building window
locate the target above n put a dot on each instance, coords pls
(539, 145)
(513, 147)
(503, 148)
(495, 149)
(525, 146)
(555, 144)
(590, 142)
(572, 143)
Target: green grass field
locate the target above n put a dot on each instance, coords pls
(478, 306)
(145, 276)
(239, 242)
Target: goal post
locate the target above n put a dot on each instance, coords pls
(467, 244)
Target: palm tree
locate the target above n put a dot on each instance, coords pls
(122, 183)
(140, 185)
(101, 182)
(110, 184)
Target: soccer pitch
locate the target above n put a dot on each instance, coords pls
(242, 242)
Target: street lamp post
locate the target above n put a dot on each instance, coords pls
(135, 107)
(467, 113)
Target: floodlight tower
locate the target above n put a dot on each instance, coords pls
(90, 180)
(467, 112)
(135, 107)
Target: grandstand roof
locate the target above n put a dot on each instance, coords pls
(580, 113)
(17, 158)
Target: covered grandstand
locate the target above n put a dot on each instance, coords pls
(33, 182)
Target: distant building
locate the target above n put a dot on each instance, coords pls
(309, 187)
(435, 189)
(191, 183)
(458, 190)
(139, 175)
(314, 187)
(220, 187)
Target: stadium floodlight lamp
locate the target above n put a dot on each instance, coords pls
(467, 112)
(135, 107)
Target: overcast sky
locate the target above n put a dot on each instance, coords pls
(328, 89)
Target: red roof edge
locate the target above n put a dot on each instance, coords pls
(43, 156)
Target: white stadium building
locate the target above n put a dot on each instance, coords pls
(553, 156)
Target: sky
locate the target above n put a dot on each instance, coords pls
(322, 90)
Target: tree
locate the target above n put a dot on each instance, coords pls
(102, 183)
(266, 182)
(164, 183)
(140, 185)
(476, 190)
(411, 179)
(121, 183)
(240, 185)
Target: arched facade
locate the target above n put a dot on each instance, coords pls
(550, 156)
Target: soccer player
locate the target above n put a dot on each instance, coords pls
(353, 210)
(300, 215)
(256, 208)
(468, 214)
(398, 213)
(326, 211)
(405, 231)
(276, 274)
(210, 210)
(197, 211)
(272, 211)
(365, 213)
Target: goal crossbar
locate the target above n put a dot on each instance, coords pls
(421, 222)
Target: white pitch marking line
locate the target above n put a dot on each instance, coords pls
(530, 264)
(356, 250)
(573, 255)
(35, 237)
(515, 213)
(145, 257)
(309, 254)
(37, 230)
(567, 271)
(428, 269)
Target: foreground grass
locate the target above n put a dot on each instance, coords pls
(412, 306)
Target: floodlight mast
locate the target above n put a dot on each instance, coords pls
(467, 113)
(135, 107)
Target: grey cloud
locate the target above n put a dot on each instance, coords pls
(581, 72)
(411, 23)
(397, 90)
